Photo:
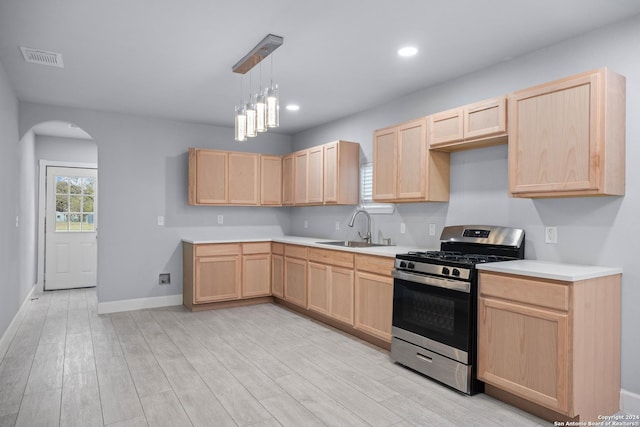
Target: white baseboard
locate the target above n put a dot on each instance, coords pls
(7, 337)
(629, 402)
(139, 304)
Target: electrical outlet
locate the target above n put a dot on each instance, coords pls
(220, 219)
(337, 225)
(306, 223)
(432, 229)
(164, 278)
(403, 228)
(17, 221)
(160, 220)
(551, 235)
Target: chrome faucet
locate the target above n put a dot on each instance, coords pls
(366, 237)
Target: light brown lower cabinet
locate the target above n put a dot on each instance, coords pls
(214, 273)
(353, 292)
(374, 295)
(295, 274)
(256, 269)
(551, 343)
(222, 272)
(330, 284)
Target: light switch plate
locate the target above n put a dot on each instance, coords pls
(403, 228)
(337, 225)
(432, 229)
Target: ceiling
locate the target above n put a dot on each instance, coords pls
(173, 59)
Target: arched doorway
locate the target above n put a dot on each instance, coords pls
(64, 213)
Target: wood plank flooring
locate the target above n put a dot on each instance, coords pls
(260, 365)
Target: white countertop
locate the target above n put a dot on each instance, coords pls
(388, 251)
(549, 270)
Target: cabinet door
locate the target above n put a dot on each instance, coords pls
(300, 190)
(243, 178)
(412, 165)
(341, 293)
(374, 304)
(342, 173)
(277, 275)
(256, 275)
(287, 180)
(217, 278)
(331, 173)
(271, 180)
(554, 135)
(485, 118)
(385, 164)
(446, 127)
(295, 281)
(315, 179)
(318, 288)
(208, 176)
(524, 350)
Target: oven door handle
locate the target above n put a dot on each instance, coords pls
(456, 285)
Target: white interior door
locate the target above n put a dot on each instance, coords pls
(71, 229)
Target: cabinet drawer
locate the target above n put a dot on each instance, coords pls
(375, 264)
(256, 248)
(324, 256)
(277, 248)
(538, 292)
(217, 249)
(295, 251)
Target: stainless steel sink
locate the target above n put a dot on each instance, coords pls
(352, 244)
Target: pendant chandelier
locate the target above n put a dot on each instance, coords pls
(261, 110)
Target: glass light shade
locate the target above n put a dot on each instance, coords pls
(241, 124)
(261, 113)
(273, 107)
(250, 109)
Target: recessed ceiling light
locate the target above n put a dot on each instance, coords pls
(293, 107)
(407, 51)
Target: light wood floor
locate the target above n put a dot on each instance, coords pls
(249, 366)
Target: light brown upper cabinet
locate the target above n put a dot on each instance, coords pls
(327, 174)
(476, 125)
(223, 177)
(207, 177)
(300, 177)
(287, 180)
(341, 172)
(243, 176)
(315, 172)
(404, 170)
(567, 137)
(271, 180)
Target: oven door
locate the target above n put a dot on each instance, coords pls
(433, 313)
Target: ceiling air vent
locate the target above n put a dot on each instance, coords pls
(42, 57)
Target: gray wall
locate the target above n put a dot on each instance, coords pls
(143, 174)
(590, 230)
(12, 294)
(55, 148)
(27, 180)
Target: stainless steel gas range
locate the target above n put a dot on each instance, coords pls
(435, 300)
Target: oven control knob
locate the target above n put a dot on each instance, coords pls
(403, 264)
(411, 265)
(456, 272)
(445, 271)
